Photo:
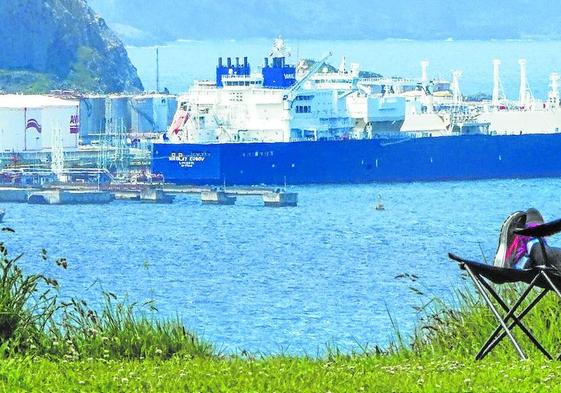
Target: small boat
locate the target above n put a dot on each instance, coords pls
(2, 214)
(379, 204)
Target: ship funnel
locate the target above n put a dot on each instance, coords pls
(266, 62)
(424, 67)
(229, 62)
(245, 61)
(237, 61)
(220, 62)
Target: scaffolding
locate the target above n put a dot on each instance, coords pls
(57, 153)
(114, 150)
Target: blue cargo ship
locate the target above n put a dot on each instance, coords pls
(358, 161)
(271, 127)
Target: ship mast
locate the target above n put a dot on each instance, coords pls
(427, 99)
(553, 90)
(525, 96)
(424, 77)
(456, 94)
(498, 93)
(157, 70)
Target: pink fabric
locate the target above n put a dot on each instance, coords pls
(519, 244)
(179, 120)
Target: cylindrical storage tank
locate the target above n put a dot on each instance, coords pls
(172, 108)
(12, 129)
(61, 125)
(92, 118)
(118, 113)
(33, 122)
(162, 112)
(142, 108)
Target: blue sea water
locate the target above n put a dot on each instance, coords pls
(183, 61)
(290, 280)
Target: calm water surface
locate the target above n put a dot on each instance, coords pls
(280, 280)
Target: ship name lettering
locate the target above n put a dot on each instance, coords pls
(189, 159)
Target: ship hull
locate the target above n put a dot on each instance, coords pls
(360, 161)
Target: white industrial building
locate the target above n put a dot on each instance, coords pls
(33, 123)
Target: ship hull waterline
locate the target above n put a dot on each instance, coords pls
(360, 161)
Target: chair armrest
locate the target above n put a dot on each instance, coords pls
(547, 229)
(454, 257)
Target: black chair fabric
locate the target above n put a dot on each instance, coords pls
(500, 275)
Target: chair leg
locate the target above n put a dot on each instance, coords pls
(493, 340)
(481, 290)
(557, 292)
(550, 282)
(511, 311)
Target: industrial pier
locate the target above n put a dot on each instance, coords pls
(64, 149)
(90, 194)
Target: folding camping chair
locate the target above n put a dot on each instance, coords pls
(547, 277)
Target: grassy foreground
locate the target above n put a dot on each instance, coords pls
(345, 374)
(49, 344)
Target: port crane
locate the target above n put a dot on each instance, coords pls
(290, 96)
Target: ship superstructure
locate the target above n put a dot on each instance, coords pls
(269, 106)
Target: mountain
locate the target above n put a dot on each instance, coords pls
(61, 44)
(143, 22)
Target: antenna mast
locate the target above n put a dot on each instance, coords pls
(424, 67)
(457, 95)
(157, 70)
(525, 92)
(498, 93)
(554, 90)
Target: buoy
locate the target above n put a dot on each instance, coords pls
(379, 204)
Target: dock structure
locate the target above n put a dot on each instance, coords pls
(69, 197)
(13, 195)
(280, 198)
(223, 196)
(156, 196)
(217, 197)
(72, 193)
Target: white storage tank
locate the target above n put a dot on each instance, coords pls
(142, 108)
(65, 117)
(28, 122)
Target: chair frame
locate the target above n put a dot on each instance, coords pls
(545, 277)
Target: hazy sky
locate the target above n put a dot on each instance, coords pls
(349, 19)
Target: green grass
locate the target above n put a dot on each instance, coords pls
(281, 374)
(51, 345)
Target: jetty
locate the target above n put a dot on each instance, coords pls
(280, 198)
(217, 197)
(84, 193)
(69, 197)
